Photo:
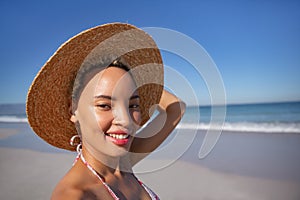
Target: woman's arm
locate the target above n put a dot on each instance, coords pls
(171, 109)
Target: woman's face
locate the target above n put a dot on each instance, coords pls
(108, 112)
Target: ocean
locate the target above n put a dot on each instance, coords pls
(263, 117)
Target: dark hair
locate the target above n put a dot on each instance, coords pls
(119, 64)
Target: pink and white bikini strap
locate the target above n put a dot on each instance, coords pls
(80, 156)
(148, 190)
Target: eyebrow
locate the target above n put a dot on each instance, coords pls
(134, 97)
(103, 97)
(113, 99)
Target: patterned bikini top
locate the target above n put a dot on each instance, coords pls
(111, 192)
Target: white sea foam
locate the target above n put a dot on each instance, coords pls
(12, 119)
(274, 127)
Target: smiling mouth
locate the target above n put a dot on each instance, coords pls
(118, 136)
(119, 139)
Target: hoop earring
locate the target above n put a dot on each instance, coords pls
(72, 140)
(78, 148)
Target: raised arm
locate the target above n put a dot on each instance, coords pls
(171, 109)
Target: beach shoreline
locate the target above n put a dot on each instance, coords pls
(241, 166)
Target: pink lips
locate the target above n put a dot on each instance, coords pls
(119, 138)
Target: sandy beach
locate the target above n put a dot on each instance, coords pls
(242, 166)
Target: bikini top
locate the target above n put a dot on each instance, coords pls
(111, 192)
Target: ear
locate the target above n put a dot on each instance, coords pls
(73, 118)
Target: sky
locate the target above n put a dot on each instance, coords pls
(254, 44)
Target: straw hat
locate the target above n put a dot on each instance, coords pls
(48, 100)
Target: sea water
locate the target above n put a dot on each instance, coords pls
(12, 113)
(263, 117)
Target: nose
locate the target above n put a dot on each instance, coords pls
(122, 116)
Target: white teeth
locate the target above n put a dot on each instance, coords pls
(119, 136)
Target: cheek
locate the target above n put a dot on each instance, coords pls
(104, 121)
(86, 118)
(136, 117)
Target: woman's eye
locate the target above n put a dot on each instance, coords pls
(103, 106)
(134, 106)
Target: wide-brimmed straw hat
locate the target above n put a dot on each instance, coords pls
(49, 97)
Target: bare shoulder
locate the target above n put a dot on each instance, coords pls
(76, 194)
(78, 185)
(67, 189)
(67, 193)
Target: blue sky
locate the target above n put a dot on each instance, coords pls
(255, 44)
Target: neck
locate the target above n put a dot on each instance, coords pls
(106, 165)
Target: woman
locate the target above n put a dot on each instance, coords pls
(115, 72)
